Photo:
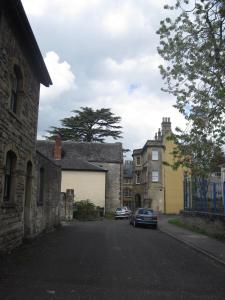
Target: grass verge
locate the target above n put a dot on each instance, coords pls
(178, 222)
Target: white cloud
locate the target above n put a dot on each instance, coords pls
(141, 111)
(111, 45)
(144, 63)
(62, 77)
(123, 19)
(58, 7)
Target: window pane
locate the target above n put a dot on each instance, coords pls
(138, 177)
(138, 160)
(155, 155)
(155, 176)
(9, 181)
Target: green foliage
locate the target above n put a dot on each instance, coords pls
(88, 125)
(193, 47)
(86, 210)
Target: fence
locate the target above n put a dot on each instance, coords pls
(204, 195)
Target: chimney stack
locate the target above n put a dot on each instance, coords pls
(166, 126)
(58, 148)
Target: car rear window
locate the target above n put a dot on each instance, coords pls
(148, 212)
(145, 211)
(119, 209)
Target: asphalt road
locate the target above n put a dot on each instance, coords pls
(109, 260)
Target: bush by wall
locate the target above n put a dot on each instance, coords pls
(85, 210)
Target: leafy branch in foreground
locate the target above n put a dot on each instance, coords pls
(193, 47)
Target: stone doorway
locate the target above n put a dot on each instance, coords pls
(27, 204)
(137, 200)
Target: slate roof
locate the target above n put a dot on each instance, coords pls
(16, 16)
(80, 165)
(78, 156)
(137, 151)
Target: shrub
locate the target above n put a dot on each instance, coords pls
(85, 210)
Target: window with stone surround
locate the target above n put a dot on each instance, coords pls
(127, 192)
(41, 186)
(16, 87)
(155, 155)
(155, 176)
(138, 177)
(138, 161)
(10, 177)
(127, 180)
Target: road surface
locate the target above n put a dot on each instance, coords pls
(109, 259)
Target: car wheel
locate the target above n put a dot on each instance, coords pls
(155, 227)
(134, 224)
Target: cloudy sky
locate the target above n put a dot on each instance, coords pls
(102, 53)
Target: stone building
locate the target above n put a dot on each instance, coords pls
(93, 170)
(128, 184)
(28, 201)
(155, 184)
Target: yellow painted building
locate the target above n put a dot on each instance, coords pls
(173, 182)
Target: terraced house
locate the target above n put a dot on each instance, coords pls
(29, 182)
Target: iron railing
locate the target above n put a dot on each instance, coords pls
(204, 195)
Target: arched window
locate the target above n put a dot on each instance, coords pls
(16, 82)
(41, 186)
(10, 168)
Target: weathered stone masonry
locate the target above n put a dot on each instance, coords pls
(18, 132)
(22, 69)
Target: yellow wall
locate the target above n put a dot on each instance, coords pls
(173, 180)
(86, 184)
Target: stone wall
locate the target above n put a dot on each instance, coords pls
(17, 132)
(20, 214)
(66, 205)
(46, 214)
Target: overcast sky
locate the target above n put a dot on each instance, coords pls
(102, 53)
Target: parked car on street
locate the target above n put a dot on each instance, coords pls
(144, 216)
(121, 213)
(128, 211)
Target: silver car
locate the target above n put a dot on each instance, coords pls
(144, 216)
(121, 213)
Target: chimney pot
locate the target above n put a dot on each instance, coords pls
(58, 148)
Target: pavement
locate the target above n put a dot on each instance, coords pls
(199, 242)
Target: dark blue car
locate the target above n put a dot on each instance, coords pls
(144, 216)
